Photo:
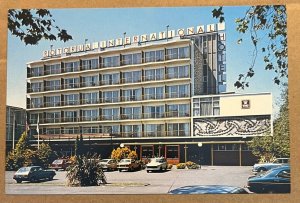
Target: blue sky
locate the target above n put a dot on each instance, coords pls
(105, 24)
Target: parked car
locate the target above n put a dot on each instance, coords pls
(267, 166)
(109, 164)
(33, 174)
(60, 164)
(129, 165)
(209, 189)
(276, 180)
(157, 164)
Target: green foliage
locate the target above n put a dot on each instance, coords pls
(123, 153)
(268, 147)
(43, 155)
(33, 25)
(181, 166)
(22, 155)
(268, 21)
(85, 172)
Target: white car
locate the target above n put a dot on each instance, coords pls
(157, 164)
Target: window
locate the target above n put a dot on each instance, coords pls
(90, 115)
(52, 101)
(153, 93)
(131, 113)
(113, 61)
(52, 131)
(132, 77)
(52, 85)
(71, 130)
(52, 69)
(52, 117)
(178, 110)
(90, 64)
(70, 116)
(131, 130)
(177, 72)
(178, 129)
(178, 53)
(90, 130)
(111, 130)
(154, 111)
(154, 130)
(37, 71)
(110, 114)
(110, 79)
(132, 95)
(207, 106)
(37, 102)
(130, 59)
(71, 99)
(177, 91)
(37, 87)
(90, 81)
(154, 74)
(33, 118)
(172, 152)
(154, 56)
(71, 83)
(90, 98)
(72, 66)
(111, 96)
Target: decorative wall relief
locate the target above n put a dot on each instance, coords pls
(236, 126)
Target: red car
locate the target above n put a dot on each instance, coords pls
(60, 164)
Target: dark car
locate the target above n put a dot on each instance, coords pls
(209, 189)
(276, 180)
(33, 174)
(59, 164)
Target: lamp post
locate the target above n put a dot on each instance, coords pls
(185, 154)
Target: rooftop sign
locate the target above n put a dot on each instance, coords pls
(134, 40)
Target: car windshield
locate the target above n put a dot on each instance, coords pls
(125, 160)
(104, 160)
(156, 160)
(58, 161)
(24, 169)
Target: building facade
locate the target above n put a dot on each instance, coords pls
(137, 91)
(15, 125)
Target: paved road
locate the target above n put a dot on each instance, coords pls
(139, 182)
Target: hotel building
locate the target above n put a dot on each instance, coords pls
(162, 94)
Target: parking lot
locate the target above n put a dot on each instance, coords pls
(139, 182)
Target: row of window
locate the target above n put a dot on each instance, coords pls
(140, 130)
(230, 147)
(137, 112)
(208, 106)
(111, 61)
(112, 79)
(150, 93)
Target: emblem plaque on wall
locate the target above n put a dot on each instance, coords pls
(246, 104)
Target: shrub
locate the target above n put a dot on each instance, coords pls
(85, 172)
(181, 166)
(192, 165)
(123, 153)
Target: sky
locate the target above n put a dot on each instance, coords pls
(105, 24)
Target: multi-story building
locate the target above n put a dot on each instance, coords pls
(15, 125)
(138, 92)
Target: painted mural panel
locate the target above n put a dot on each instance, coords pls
(234, 126)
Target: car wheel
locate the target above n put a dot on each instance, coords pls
(148, 171)
(32, 179)
(19, 181)
(50, 178)
(56, 169)
(120, 170)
